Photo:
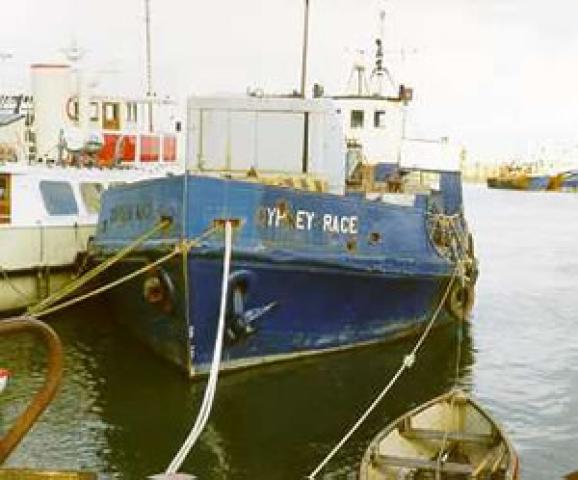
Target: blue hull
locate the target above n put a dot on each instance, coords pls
(315, 309)
(570, 181)
(538, 182)
(300, 283)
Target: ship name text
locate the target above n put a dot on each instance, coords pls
(307, 220)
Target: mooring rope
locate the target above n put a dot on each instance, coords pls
(406, 364)
(84, 279)
(108, 286)
(183, 247)
(209, 396)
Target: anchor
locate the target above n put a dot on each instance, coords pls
(242, 323)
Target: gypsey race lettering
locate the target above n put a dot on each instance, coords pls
(307, 220)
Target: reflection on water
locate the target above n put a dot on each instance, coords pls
(123, 412)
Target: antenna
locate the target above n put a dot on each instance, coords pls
(379, 71)
(73, 53)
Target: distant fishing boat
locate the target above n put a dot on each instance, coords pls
(448, 437)
(566, 181)
(518, 178)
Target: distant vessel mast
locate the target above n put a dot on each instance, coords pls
(148, 65)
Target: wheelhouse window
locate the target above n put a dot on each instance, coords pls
(110, 116)
(90, 193)
(5, 198)
(58, 198)
(73, 109)
(357, 118)
(131, 112)
(379, 119)
(94, 110)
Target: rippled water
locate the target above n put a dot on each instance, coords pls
(526, 322)
(124, 413)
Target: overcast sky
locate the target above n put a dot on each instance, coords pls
(495, 75)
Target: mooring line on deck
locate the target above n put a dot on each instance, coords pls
(84, 279)
(184, 246)
(209, 395)
(407, 363)
(108, 286)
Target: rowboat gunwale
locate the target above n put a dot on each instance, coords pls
(512, 472)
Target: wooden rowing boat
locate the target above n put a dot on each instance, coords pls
(449, 437)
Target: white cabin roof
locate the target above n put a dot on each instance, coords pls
(262, 104)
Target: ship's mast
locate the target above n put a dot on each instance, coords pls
(304, 53)
(75, 55)
(305, 151)
(148, 65)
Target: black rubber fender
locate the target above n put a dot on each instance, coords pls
(461, 300)
(159, 290)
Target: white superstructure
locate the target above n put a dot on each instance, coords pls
(376, 123)
(268, 136)
(59, 148)
(52, 88)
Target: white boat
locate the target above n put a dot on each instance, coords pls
(62, 146)
(449, 437)
(47, 215)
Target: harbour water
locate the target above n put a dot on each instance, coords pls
(124, 413)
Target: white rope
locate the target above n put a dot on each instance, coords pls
(209, 396)
(406, 364)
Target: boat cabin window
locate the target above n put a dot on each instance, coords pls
(72, 109)
(110, 116)
(131, 112)
(94, 116)
(357, 118)
(419, 181)
(5, 198)
(379, 119)
(58, 198)
(91, 192)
